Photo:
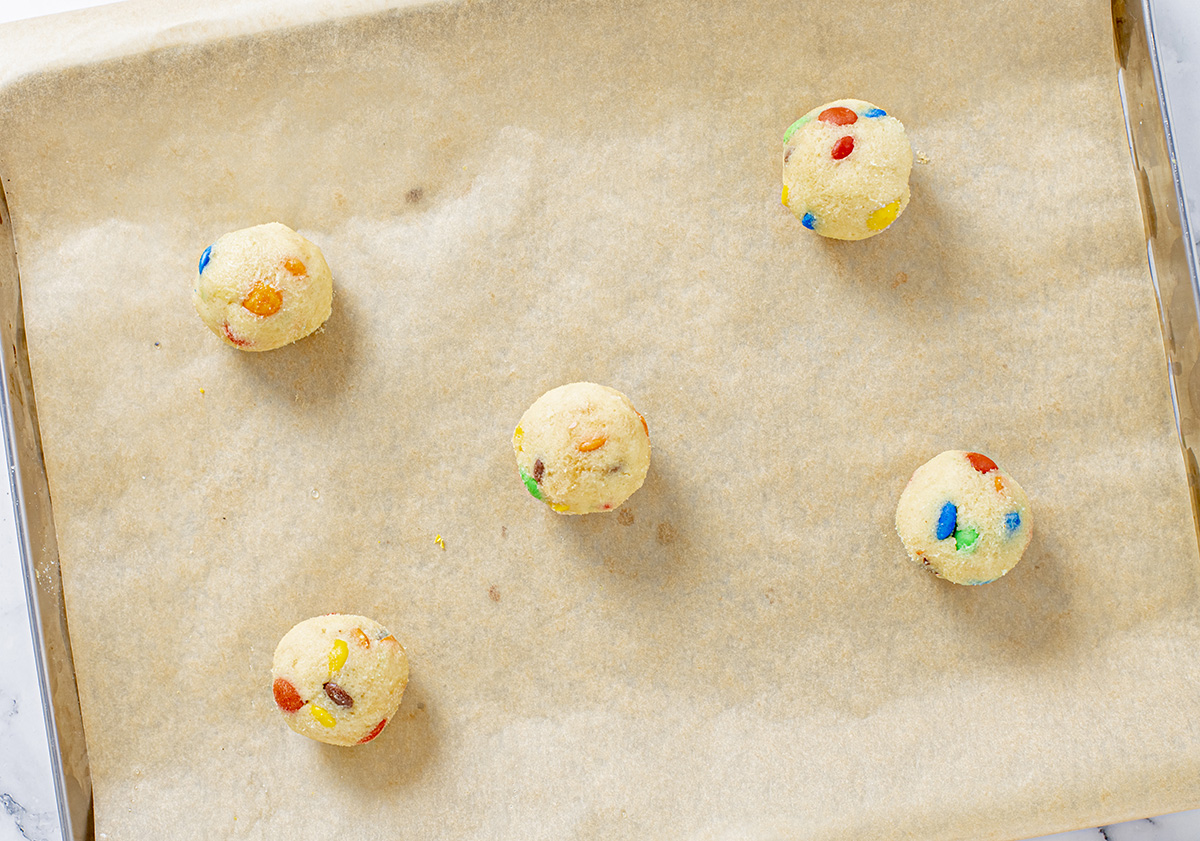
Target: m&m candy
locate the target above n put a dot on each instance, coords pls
(963, 518)
(845, 169)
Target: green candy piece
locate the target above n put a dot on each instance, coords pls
(965, 539)
(787, 135)
(530, 484)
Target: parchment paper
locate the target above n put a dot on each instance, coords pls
(518, 195)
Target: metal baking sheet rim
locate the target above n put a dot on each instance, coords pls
(1169, 248)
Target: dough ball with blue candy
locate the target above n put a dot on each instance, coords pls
(264, 287)
(964, 518)
(845, 169)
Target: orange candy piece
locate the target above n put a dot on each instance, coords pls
(286, 696)
(295, 267)
(361, 638)
(263, 300)
(592, 444)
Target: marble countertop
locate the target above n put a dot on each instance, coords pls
(27, 807)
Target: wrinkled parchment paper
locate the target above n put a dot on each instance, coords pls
(517, 195)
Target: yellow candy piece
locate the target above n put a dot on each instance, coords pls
(785, 204)
(518, 437)
(322, 715)
(884, 216)
(338, 655)
(560, 507)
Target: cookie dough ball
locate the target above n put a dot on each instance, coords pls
(582, 448)
(338, 678)
(845, 169)
(964, 518)
(263, 287)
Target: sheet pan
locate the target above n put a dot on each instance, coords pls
(728, 657)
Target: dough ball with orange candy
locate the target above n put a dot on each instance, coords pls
(582, 448)
(263, 287)
(338, 678)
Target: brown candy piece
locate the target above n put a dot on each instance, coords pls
(338, 695)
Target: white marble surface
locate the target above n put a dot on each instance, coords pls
(1179, 56)
(27, 807)
(27, 804)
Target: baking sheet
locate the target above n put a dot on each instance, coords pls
(517, 195)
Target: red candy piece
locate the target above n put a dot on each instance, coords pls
(378, 729)
(286, 696)
(842, 148)
(229, 335)
(838, 116)
(981, 462)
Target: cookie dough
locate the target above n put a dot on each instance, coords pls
(264, 287)
(338, 678)
(845, 169)
(964, 518)
(582, 448)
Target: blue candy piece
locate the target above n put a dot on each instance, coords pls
(808, 221)
(946, 521)
(204, 258)
(1012, 521)
(875, 112)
